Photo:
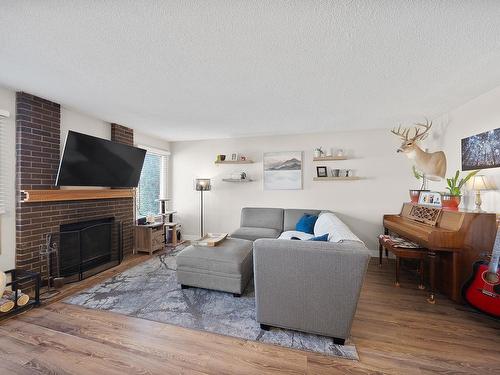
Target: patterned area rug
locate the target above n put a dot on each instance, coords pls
(150, 291)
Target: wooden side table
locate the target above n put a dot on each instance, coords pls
(149, 238)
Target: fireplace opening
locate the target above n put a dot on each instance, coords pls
(89, 247)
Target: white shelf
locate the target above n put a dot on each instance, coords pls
(238, 180)
(351, 178)
(330, 158)
(234, 162)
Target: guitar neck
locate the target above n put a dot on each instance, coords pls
(495, 255)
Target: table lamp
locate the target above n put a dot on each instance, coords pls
(201, 185)
(479, 183)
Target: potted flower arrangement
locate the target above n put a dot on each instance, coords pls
(415, 193)
(451, 199)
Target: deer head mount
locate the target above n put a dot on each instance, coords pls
(432, 164)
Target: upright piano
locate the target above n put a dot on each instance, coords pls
(454, 240)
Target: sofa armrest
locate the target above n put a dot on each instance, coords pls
(310, 286)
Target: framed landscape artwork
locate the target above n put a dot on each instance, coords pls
(283, 170)
(481, 151)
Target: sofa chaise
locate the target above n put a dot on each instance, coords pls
(303, 285)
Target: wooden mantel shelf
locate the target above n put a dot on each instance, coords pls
(57, 195)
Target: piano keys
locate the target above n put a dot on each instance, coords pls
(454, 241)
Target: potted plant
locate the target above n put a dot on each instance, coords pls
(451, 199)
(415, 193)
(318, 152)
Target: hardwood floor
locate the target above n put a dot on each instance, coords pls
(395, 331)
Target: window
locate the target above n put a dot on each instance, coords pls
(153, 182)
(3, 178)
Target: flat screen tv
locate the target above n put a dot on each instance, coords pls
(92, 161)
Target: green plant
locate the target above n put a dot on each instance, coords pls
(455, 186)
(320, 150)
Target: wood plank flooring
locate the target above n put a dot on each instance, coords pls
(395, 331)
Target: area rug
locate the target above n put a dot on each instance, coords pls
(150, 291)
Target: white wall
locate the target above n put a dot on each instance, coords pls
(8, 220)
(387, 178)
(82, 123)
(141, 139)
(476, 116)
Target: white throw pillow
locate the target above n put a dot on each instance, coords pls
(294, 233)
(337, 231)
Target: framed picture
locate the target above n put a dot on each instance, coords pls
(321, 172)
(430, 198)
(481, 151)
(234, 156)
(283, 170)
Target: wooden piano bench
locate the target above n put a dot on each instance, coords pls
(404, 253)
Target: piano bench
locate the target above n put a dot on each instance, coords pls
(405, 253)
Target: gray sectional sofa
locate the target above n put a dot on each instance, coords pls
(304, 285)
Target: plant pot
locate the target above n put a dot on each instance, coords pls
(317, 154)
(450, 202)
(415, 194)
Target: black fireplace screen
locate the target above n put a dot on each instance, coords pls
(86, 248)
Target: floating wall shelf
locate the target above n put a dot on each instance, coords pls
(239, 180)
(352, 178)
(234, 162)
(60, 195)
(330, 158)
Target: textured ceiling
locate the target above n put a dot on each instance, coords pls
(207, 69)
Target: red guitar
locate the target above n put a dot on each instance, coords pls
(482, 290)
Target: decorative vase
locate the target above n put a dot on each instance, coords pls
(415, 194)
(317, 153)
(450, 202)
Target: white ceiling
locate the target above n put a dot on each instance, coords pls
(209, 69)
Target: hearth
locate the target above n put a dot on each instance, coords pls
(89, 247)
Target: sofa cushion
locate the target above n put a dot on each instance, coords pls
(337, 231)
(253, 233)
(292, 215)
(262, 218)
(289, 234)
(306, 223)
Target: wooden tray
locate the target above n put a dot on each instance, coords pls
(211, 239)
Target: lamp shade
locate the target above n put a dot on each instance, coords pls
(480, 183)
(203, 184)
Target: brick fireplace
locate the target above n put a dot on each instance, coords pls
(38, 129)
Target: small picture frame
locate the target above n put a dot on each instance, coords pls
(430, 198)
(234, 156)
(321, 171)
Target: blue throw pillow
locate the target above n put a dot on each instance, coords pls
(323, 237)
(306, 224)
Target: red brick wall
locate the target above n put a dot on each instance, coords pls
(38, 139)
(122, 134)
(37, 161)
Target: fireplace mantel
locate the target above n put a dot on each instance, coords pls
(60, 195)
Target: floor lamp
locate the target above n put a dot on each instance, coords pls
(202, 184)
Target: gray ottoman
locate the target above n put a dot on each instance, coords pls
(226, 267)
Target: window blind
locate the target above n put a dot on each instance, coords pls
(3, 115)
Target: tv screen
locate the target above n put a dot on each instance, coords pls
(92, 161)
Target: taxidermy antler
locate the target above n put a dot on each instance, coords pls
(432, 164)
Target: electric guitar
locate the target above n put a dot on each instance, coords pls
(482, 290)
